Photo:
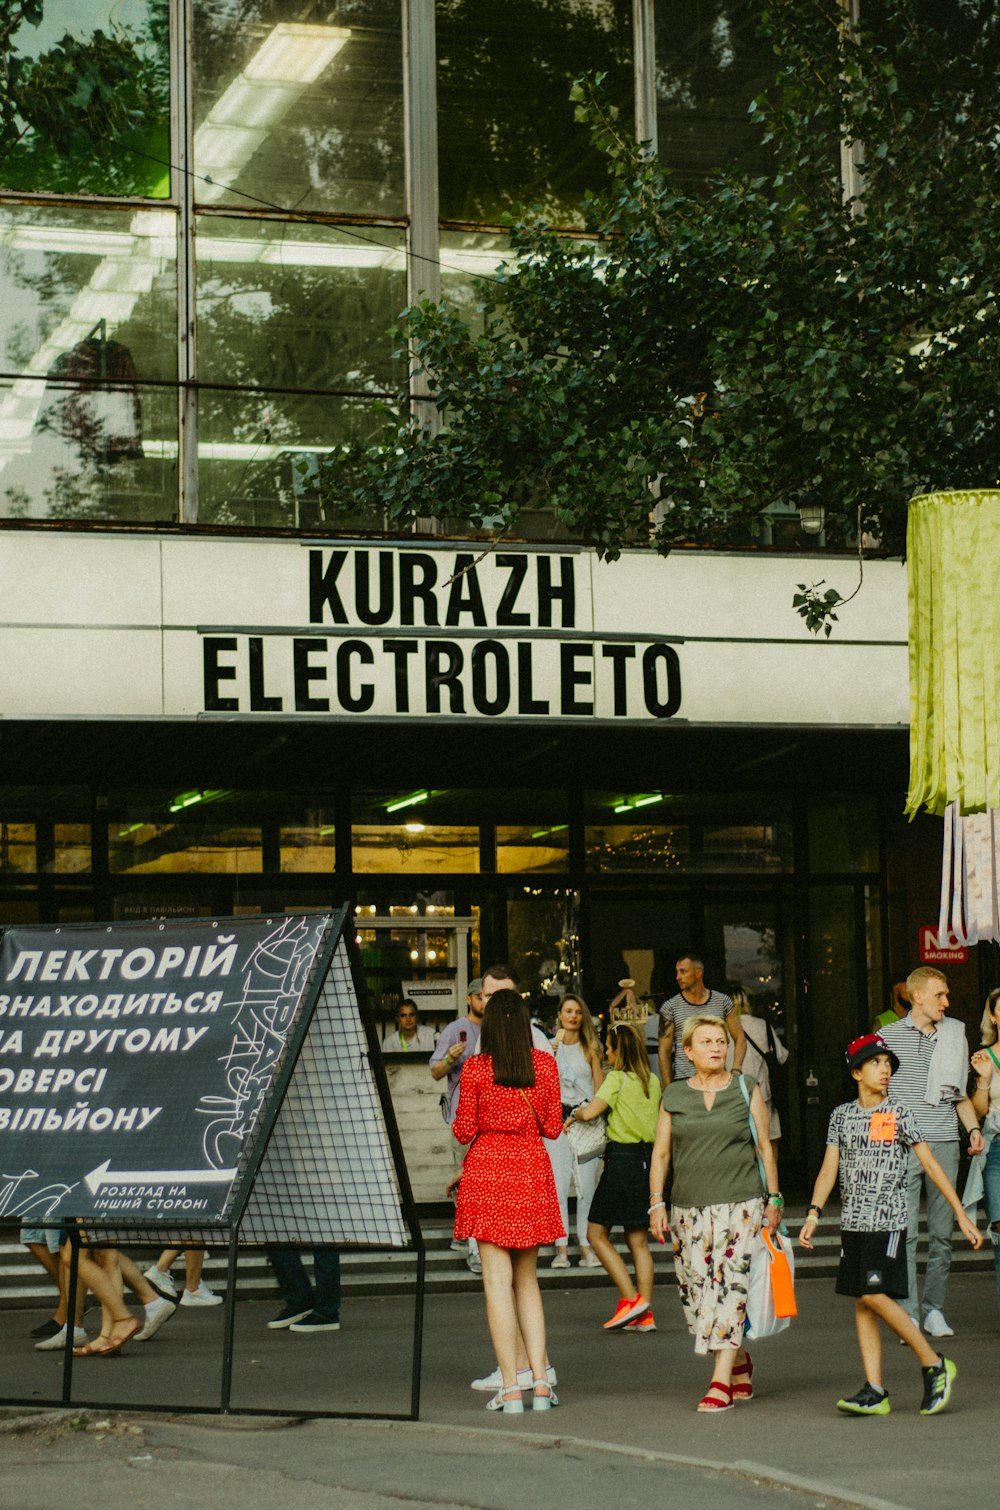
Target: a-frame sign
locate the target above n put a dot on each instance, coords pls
(217, 1081)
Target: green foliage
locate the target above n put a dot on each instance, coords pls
(87, 115)
(762, 344)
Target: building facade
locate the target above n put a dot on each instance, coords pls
(218, 699)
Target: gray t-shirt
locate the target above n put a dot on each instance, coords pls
(677, 1011)
(874, 1143)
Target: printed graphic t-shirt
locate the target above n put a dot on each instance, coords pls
(874, 1142)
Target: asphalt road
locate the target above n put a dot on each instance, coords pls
(626, 1430)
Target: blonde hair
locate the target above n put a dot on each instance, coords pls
(626, 1042)
(920, 977)
(701, 1020)
(988, 1027)
(588, 1033)
(742, 1005)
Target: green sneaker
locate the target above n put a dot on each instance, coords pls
(938, 1380)
(868, 1401)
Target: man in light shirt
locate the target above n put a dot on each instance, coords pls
(411, 1036)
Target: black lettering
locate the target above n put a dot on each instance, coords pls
(525, 671)
(618, 655)
(651, 657)
(362, 588)
(417, 579)
(213, 647)
(483, 653)
(571, 677)
(259, 700)
(360, 701)
(465, 596)
(548, 593)
(322, 589)
(304, 673)
(399, 650)
(443, 661)
(518, 568)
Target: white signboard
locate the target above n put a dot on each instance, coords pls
(134, 627)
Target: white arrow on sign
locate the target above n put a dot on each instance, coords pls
(105, 1175)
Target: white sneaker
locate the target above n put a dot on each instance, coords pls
(495, 1380)
(162, 1281)
(590, 1261)
(203, 1296)
(157, 1312)
(561, 1260)
(58, 1339)
(936, 1326)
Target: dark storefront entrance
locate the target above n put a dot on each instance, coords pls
(789, 871)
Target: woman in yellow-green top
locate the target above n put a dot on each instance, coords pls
(630, 1095)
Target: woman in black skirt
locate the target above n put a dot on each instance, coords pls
(630, 1095)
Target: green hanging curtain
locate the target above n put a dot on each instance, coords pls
(953, 578)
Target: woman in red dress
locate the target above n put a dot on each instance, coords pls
(508, 1099)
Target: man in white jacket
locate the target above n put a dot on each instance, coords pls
(933, 1056)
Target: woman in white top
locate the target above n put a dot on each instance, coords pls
(760, 1042)
(578, 1057)
(986, 1101)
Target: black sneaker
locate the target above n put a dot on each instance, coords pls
(938, 1380)
(316, 1322)
(287, 1316)
(47, 1329)
(868, 1401)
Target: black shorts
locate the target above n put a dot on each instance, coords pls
(622, 1197)
(873, 1263)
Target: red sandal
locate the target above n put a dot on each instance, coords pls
(743, 1379)
(707, 1405)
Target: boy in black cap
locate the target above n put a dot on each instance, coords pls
(867, 1143)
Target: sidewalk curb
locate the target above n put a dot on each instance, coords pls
(760, 1473)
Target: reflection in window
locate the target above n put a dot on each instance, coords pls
(310, 845)
(87, 312)
(415, 846)
(505, 121)
(533, 847)
(543, 936)
(17, 847)
(85, 105)
(710, 65)
(635, 846)
(204, 846)
(285, 306)
(299, 106)
(72, 848)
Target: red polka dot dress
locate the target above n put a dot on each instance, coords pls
(507, 1194)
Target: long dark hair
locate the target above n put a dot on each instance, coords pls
(506, 1037)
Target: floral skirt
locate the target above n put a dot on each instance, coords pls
(712, 1246)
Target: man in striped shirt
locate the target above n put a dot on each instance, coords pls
(914, 1040)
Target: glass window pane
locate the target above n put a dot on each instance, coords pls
(843, 835)
(17, 847)
(543, 939)
(86, 100)
(416, 830)
(208, 845)
(710, 64)
(660, 831)
(87, 315)
(300, 107)
(310, 844)
(72, 848)
(505, 123)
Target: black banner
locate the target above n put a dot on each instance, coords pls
(138, 1062)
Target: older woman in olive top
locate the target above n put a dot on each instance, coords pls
(717, 1204)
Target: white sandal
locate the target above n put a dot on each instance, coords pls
(508, 1400)
(546, 1400)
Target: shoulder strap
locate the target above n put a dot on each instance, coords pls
(753, 1131)
(531, 1107)
(996, 1061)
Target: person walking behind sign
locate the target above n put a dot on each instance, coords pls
(508, 1101)
(933, 1057)
(869, 1143)
(305, 1309)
